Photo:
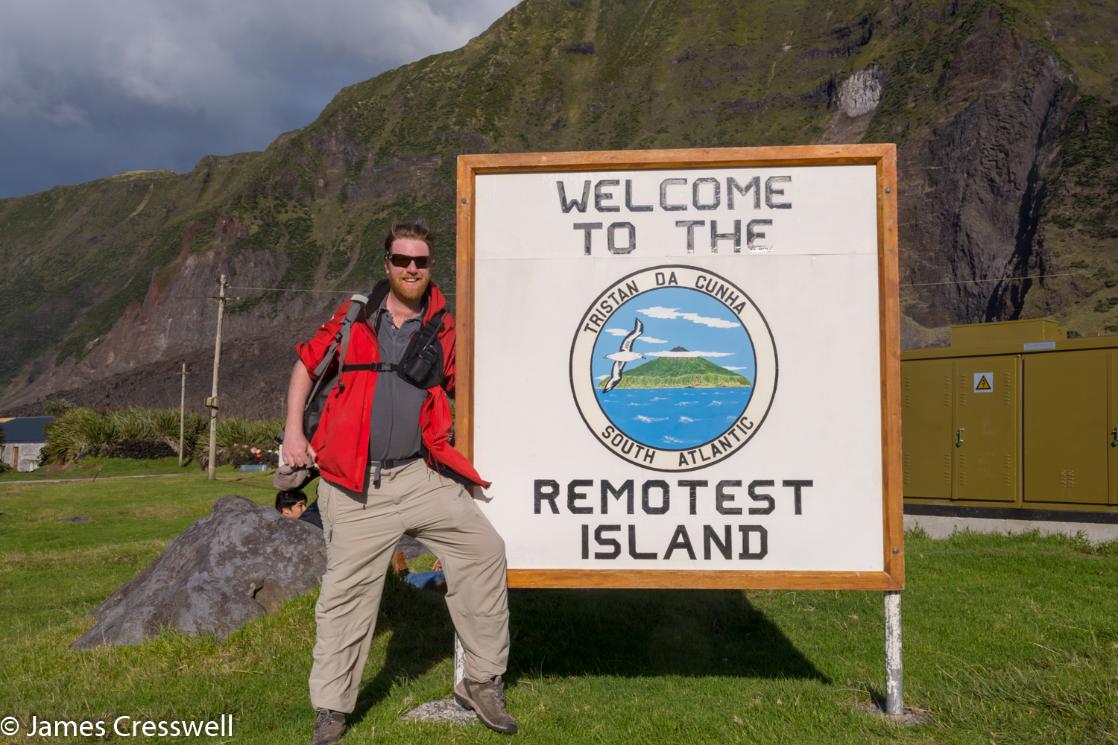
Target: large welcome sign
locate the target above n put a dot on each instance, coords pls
(680, 367)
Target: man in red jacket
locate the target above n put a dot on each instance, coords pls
(387, 468)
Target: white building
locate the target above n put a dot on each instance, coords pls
(24, 438)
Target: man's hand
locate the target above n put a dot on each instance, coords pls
(296, 450)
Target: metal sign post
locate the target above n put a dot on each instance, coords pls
(894, 665)
(459, 660)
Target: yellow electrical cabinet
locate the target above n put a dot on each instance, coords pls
(960, 428)
(1112, 429)
(986, 433)
(927, 427)
(1069, 442)
(1012, 414)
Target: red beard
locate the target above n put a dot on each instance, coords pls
(409, 292)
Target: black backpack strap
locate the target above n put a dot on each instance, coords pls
(376, 297)
(371, 367)
(436, 322)
(429, 331)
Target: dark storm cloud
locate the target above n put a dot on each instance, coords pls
(88, 89)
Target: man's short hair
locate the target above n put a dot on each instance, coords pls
(409, 230)
(287, 499)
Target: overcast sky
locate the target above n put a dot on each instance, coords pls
(89, 88)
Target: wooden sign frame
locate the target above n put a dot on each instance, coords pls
(883, 157)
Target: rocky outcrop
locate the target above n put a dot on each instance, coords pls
(232, 566)
(860, 93)
(971, 192)
(167, 326)
(852, 102)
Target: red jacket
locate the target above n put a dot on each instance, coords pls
(341, 442)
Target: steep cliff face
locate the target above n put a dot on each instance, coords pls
(1004, 113)
(975, 185)
(1076, 244)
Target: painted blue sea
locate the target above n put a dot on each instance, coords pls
(674, 418)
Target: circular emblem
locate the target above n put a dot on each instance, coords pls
(673, 368)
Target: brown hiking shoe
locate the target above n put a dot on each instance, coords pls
(329, 726)
(487, 700)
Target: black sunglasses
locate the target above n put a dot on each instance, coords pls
(401, 261)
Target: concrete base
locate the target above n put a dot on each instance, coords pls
(445, 710)
(908, 718)
(941, 527)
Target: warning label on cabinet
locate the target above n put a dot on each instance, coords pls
(984, 382)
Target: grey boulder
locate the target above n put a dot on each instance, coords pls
(236, 564)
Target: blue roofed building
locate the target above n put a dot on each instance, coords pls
(23, 440)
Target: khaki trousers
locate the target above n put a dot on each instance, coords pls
(361, 532)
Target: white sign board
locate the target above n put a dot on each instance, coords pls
(680, 373)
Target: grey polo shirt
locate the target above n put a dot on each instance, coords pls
(394, 421)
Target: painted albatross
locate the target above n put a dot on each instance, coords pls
(623, 356)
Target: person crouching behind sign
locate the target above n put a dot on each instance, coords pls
(388, 468)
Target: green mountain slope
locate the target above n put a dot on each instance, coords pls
(680, 372)
(1003, 111)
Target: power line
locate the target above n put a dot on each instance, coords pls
(909, 284)
(294, 289)
(452, 293)
(996, 279)
(313, 292)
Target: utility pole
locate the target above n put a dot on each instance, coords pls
(211, 402)
(182, 414)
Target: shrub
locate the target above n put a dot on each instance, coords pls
(77, 432)
(249, 433)
(165, 426)
(133, 424)
(154, 433)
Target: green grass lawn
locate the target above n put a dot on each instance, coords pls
(92, 467)
(1007, 640)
